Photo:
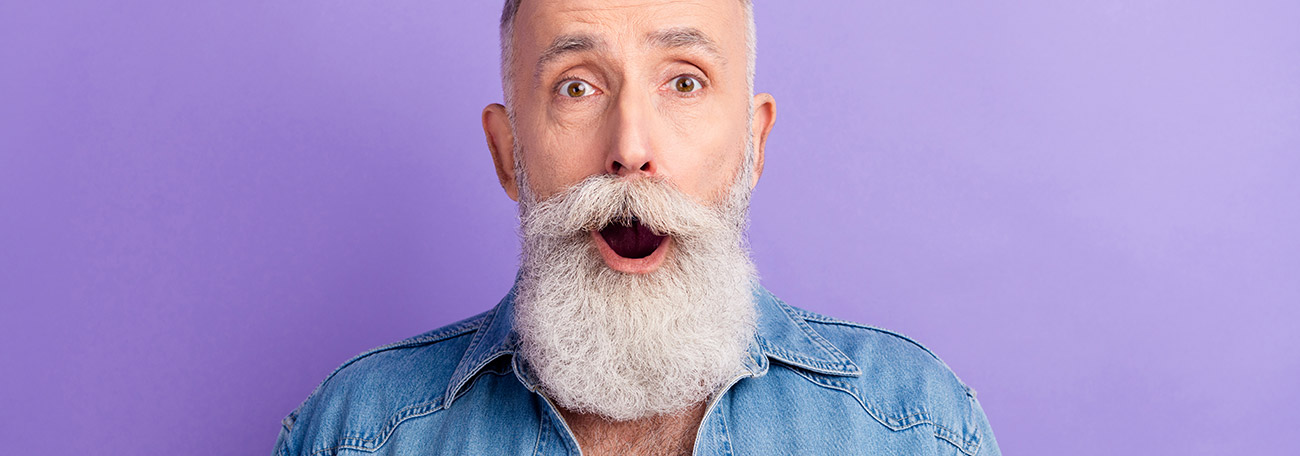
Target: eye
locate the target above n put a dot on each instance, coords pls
(686, 84)
(576, 89)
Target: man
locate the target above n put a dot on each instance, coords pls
(631, 137)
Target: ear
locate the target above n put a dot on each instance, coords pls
(764, 119)
(501, 142)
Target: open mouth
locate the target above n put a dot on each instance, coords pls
(631, 239)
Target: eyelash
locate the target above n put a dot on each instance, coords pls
(704, 84)
(559, 86)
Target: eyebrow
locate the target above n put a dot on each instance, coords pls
(685, 37)
(670, 38)
(564, 45)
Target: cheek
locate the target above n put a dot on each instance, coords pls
(708, 165)
(708, 142)
(559, 161)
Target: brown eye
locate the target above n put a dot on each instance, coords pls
(686, 84)
(576, 89)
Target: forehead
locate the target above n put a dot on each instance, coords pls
(622, 22)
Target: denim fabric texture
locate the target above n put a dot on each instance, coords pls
(811, 385)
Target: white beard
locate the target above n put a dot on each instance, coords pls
(630, 346)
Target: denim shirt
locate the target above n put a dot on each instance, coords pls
(811, 385)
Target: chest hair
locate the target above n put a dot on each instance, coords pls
(668, 435)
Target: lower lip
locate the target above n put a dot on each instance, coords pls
(631, 265)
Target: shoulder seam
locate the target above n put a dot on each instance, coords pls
(451, 331)
(454, 330)
(819, 318)
(448, 332)
(966, 444)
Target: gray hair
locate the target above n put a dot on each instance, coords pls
(507, 51)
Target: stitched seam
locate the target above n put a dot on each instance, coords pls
(829, 347)
(450, 332)
(470, 386)
(969, 447)
(814, 316)
(842, 361)
(974, 442)
(788, 358)
(726, 434)
(283, 450)
(923, 417)
(960, 447)
(832, 321)
(537, 445)
(368, 444)
(835, 321)
(410, 411)
(456, 330)
(952, 437)
(459, 376)
(852, 392)
(826, 345)
(808, 331)
(288, 421)
(543, 439)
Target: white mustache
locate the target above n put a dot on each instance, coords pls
(627, 346)
(604, 199)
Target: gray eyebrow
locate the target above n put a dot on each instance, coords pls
(563, 45)
(685, 37)
(670, 38)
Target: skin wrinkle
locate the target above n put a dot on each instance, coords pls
(508, 54)
(686, 37)
(682, 39)
(564, 45)
(635, 6)
(630, 358)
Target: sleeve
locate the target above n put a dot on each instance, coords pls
(283, 443)
(988, 443)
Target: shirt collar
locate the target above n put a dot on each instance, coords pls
(781, 335)
(784, 335)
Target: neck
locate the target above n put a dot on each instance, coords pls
(663, 435)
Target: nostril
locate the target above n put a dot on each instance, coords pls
(618, 167)
(645, 167)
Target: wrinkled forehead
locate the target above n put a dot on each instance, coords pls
(618, 28)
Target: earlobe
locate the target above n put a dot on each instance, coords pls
(501, 142)
(764, 119)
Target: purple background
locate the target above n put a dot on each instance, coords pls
(1090, 210)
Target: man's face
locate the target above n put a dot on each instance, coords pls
(632, 128)
(635, 89)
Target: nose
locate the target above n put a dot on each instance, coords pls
(631, 149)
